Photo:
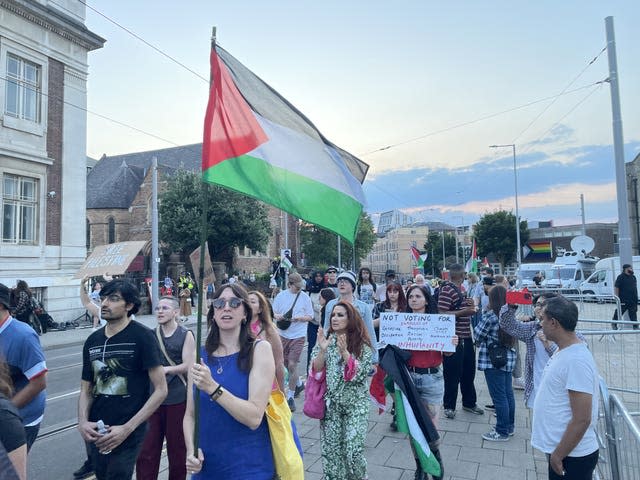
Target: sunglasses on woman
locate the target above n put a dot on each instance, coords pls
(233, 302)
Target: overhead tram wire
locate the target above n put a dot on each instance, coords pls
(137, 37)
(104, 117)
(471, 122)
(593, 60)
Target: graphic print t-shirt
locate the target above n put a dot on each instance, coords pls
(118, 369)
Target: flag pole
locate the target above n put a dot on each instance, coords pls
(202, 291)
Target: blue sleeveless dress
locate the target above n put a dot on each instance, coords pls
(232, 451)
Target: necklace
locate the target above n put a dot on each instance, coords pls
(221, 366)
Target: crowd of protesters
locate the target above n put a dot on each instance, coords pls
(138, 386)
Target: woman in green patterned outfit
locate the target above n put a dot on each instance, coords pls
(345, 358)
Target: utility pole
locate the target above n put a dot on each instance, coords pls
(624, 232)
(155, 258)
(584, 226)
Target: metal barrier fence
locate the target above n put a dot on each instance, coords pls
(619, 439)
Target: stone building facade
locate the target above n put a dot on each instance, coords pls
(44, 47)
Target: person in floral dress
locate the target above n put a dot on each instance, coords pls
(345, 359)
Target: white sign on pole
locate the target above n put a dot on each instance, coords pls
(418, 331)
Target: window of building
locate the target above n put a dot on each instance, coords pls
(23, 93)
(19, 209)
(111, 233)
(88, 234)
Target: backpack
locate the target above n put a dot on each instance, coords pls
(455, 306)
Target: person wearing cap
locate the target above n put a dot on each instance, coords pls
(626, 290)
(346, 287)
(332, 281)
(20, 348)
(294, 336)
(381, 291)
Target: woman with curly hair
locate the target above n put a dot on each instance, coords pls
(262, 327)
(344, 359)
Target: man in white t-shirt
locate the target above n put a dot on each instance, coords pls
(294, 336)
(565, 411)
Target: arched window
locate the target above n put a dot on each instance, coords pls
(88, 233)
(111, 235)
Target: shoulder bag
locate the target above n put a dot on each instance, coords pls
(497, 354)
(285, 322)
(314, 391)
(286, 456)
(166, 355)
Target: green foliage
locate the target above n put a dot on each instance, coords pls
(495, 233)
(433, 246)
(320, 246)
(233, 220)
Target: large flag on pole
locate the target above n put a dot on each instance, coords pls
(472, 263)
(418, 257)
(257, 143)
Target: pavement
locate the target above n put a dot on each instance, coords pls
(466, 455)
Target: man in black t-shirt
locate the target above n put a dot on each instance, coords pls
(120, 362)
(626, 290)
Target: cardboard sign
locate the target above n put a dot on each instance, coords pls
(209, 276)
(112, 259)
(418, 331)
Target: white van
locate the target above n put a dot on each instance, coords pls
(601, 282)
(527, 271)
(570, 270)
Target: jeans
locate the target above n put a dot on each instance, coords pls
(576, 468)
(460, 369)
(166, 421)
(118, 464)
(501, 391)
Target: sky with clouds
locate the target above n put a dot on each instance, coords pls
(417, 89)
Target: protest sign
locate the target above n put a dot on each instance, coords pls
(209, 276)
(112, 259)
(417, 331)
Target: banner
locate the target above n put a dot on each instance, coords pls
(209, 276)
(112, 259)
(418, 331)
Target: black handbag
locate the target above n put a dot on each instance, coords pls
(285, 322)
(497, 354)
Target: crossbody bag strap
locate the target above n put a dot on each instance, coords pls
(166, 355)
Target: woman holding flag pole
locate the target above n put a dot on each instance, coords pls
(233, 380)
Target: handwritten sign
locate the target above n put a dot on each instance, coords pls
(418, 331)
(112, 259)
(209, 276)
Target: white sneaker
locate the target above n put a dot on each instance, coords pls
(518, 383)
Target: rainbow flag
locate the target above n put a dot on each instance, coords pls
(257, 143)
(542, 250)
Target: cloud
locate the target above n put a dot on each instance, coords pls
(558, 195)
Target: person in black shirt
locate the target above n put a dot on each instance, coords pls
(626, 290)
(120, 362)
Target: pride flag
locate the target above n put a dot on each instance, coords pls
(540, 250)
(257, 143)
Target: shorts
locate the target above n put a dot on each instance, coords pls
(292, 349)
(430, 386)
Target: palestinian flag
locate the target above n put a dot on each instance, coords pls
(257, 143)
(407, 423)
(417, 256)
(472, 263)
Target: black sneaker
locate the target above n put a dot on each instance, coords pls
(298, 390)
(490, 407)
(292, 404)
(85, 471)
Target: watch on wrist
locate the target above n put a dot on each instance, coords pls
(215, 395)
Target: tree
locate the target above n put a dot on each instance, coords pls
(320, 246)
(433, 246)
(495, 233)
(233, 220)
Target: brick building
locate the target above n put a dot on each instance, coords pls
(119, 206)
(44, 47)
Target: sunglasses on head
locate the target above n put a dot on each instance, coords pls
(233, 302)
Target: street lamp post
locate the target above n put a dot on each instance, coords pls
(515, 178)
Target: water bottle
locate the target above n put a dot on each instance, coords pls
(102, 430)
